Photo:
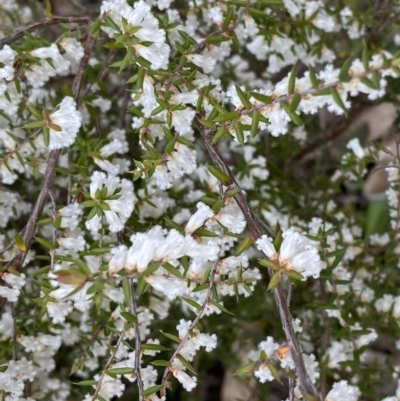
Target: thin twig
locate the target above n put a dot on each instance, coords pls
(106, 366)
(339, 128)
(20, 145)
(123, 108)
(14, 334)
(306, 385)
(53, 251)
(19, 33)
(200, 313)
(48, 178)
(291, 389)
(138, 341)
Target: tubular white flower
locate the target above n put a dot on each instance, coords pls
(121, 208)
(265, 245)
(342, 391)
(177, 369)
(39, 74)
(297, 253)
(147, 98)
(7, 56)
(355, 146)
(203, 213)
(69, 119)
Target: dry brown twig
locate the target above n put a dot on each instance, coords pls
(167, 372)
(52, 160)
(253, 222)
(19, 33)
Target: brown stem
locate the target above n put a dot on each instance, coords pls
(106, 366)
(254, 224)
(19, 33)
(30, 228)
(338, 129)
(138, 341)
(200, 313)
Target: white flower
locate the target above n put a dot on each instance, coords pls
(339, 351)
(11, 294)
(296, 253)
(110, 387)
(355, 146)
(181, 161)
(69, 119)
(342, 391)
(203, 213)
(177, 369)
(206, 62)
(39, 74)
(120, 208)
(58, 310)
(7, 56)
(71, 216)
(141, 18)
(147, 98)
(263, 373)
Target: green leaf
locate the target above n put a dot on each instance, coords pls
(274, 372)
(221, 307)
(232, 115)
(338, 100)
(271, 264)
(232, 192)
(235, 42)
(45, 243)
(293, 274)
(292, 80)
(275, 280)
(86, 383)
(243, 97)
(46, 136)
(129, 317)
(205, 233)
(171, 336)
(169, 148)
(161, 362)
(293, 116)
(173, 270)
(186, 363)
(246, 369)
(34, 124)
(154, 347)
(206, 123)
(192, 303)
(344, 71)
(313, 77)
(152, 390)
(222, 177)
(200, 287)
(246, 243)
(365, 57)
(261, 98)
(120, 371)
(295, 102)
(126, 288)
(19, 241)
(255, 123)
(220, 134)
(239, 131)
